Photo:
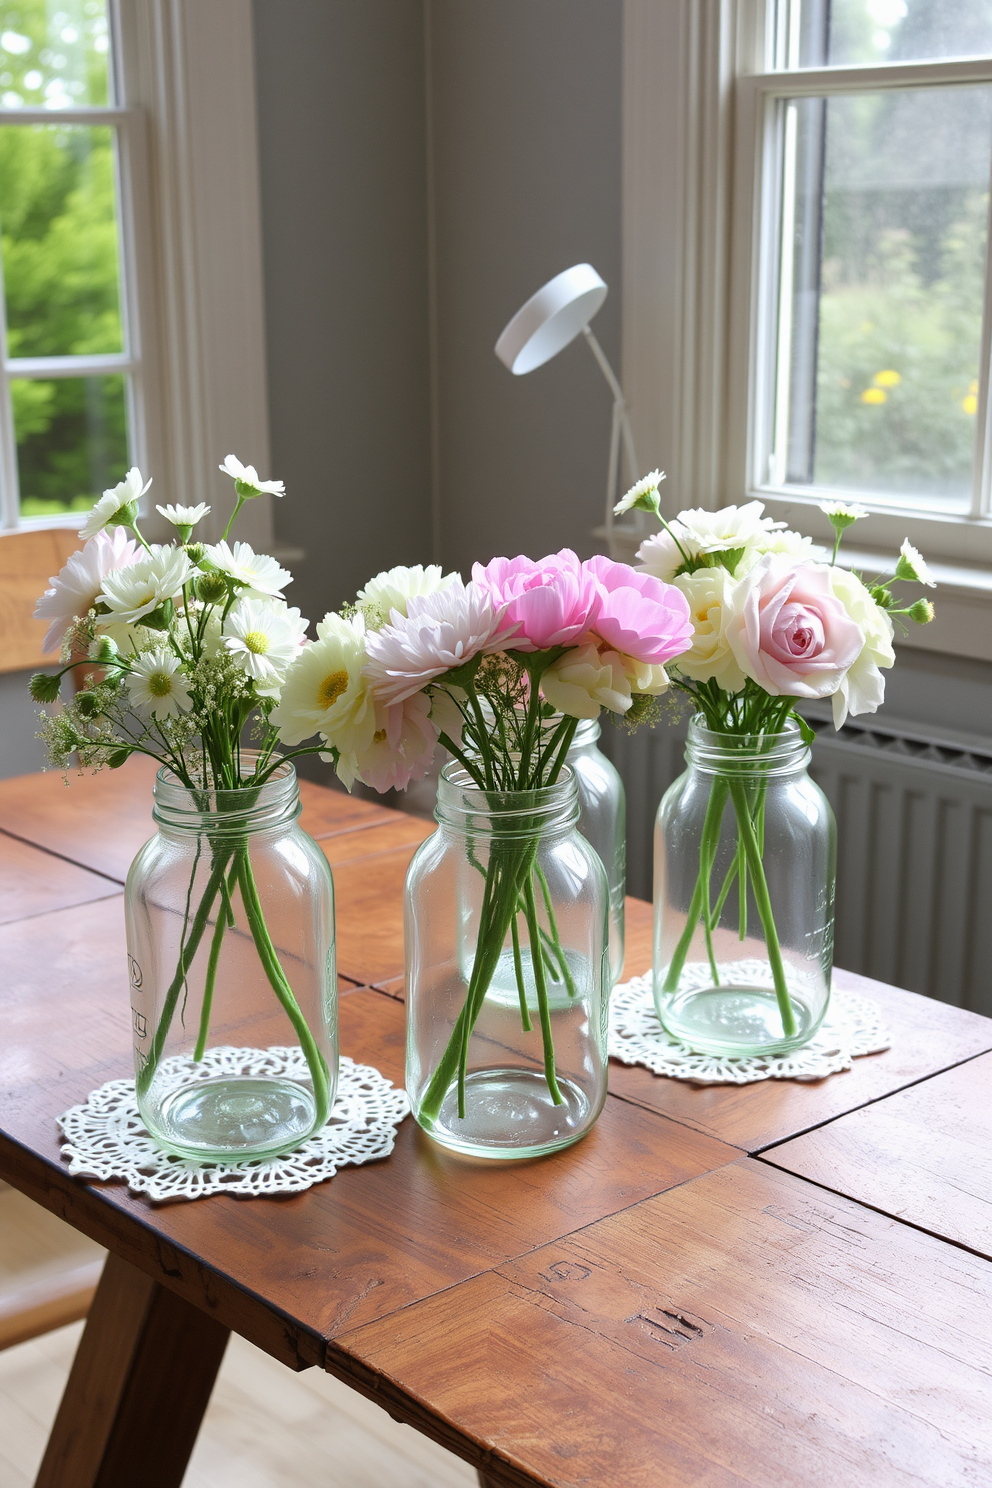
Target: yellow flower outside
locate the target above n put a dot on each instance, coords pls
(887, 378)
(973, 386)
(970, 404)
(874, 395)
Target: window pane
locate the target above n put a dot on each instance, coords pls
(53, 53)
(885, 210)
(843, 33)
(71, 441)
(59, 240)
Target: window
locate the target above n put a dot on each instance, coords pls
(67, 382)
(865, 155)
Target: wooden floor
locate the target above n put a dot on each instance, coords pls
(266, 1427)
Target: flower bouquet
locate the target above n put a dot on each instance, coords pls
(506, 906)
(773, 624)
(185, 647)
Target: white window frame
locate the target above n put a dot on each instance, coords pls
(698, 84)
(191, 271)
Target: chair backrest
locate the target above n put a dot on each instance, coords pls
(27, 560)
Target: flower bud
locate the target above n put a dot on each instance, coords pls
(881, 596)
(922, 612)
(103, 650)
(87, 704)
(195, 552)
(43, 687)
(211, 588)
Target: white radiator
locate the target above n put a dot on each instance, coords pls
(914, 849)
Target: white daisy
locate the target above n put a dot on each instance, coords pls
(642, 496)
(325, 692)
(184, 516)
(913, 566)
(157, 686)
(844, 512)
(77, 586)
(247, 482)
(730, 527)
(126, 494)
(131, 593)
(393, 589)
(264, 640)
(259, 573)
(439, 632)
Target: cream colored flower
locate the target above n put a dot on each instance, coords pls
(710, 656)
(862, 689)
(661, 556)
(325, 692)
(156, 685)
(730, 527)
(393, 589)
(133, 592)
(585, 680)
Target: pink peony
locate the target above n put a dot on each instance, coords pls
(789, 631)
(637, 614)
(551, 601)
(439, 633)
(75, 588)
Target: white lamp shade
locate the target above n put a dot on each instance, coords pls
(551, 319)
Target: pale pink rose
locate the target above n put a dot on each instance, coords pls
(637, 614)
(402, 747)
(551, 602)
(789, 631)
(75, 588)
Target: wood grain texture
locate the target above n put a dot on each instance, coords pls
(743, 1329)
(33, 882)
(100, 821)
(923, 1155)
(27, 561)
(399, 832)
(289, 1272)
(44, 1304)
(139, 1386)
(368, 898)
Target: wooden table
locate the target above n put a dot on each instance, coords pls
(779, 1283)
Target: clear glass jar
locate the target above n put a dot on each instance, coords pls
(230, 937)
(506, 1051)
(745, 852)
(603, 822)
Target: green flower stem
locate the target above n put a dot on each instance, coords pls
(759, 885)
(740, 862)
(225, 921)
(316, 1063)
(555, 938)
(518, 969)
(188, 951)
(707, 851)
(542, 996)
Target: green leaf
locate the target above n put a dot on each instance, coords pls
(118, 758)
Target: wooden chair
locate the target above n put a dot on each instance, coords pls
(27, 560)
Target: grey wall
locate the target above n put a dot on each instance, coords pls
(20, 751)
(341, 114)
(527, 137)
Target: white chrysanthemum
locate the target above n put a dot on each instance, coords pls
(662, 557)
(709, 591)
(912, 565)
(248, 483)
(130, 593)
(585, 680)
(639, 496)
(184, 516)
(157, 686)
(264, 639)
(259, 573)
(440, 631)
(730, 527)
(127, 492)
(76, 587)
(393, 589)
(325, 692)
(862, 689)
(843, 511)
(802, 549)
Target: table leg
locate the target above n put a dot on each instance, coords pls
(139, 1386)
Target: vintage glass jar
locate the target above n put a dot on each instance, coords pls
(506, 1050)
(230, 935)
(603, 822)
(745, 852)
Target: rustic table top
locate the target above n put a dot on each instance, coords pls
(731, 1285)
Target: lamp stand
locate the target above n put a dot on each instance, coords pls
(619, 432)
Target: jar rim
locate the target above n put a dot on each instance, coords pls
(246, 808)
(780, 752)
(466, 806)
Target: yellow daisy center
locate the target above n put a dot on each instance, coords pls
(257, 642)
(379, 736)
(160, 684)
(331, 688)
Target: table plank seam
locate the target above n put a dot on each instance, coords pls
(63, 857)
(899, 1219)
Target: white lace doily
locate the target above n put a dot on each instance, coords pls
(107, 1139)
(853, 1026)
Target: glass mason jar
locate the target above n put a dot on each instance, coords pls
(230, 937)
(506, 1051)
(745, 851)
(603, 822)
